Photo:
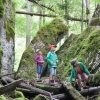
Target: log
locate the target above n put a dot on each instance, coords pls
(9, 87)
(72, 92)
(60, 96)
(54, 89)
(46, 15)
(31, 13)
(31, 88)
(91, 90)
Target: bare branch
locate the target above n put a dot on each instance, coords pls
(41, 5)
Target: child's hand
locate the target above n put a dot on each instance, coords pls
(51, 63)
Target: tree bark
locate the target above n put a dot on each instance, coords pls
(54, 89)
(88, 10)
(91, 90)
(28, 24)
(82, 15)
(10, 87)
(60, 96)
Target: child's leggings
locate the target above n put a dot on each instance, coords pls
(80, 76)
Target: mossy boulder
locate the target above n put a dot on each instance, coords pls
(51, 33)
(85, 48)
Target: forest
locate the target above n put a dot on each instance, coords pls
(65, 34)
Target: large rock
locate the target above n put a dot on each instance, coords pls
(85, 48)
(51, 33)
(6, 37)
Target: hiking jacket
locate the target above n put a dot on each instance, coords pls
(74, 71)
(38, 59)
(52, 58)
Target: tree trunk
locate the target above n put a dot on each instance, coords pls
(28, 24)
(66, 18)
(43, 12)
(82, 15)
(40, 18)
(88, 10)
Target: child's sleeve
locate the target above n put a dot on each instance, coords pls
(48, 58)
(37, 59)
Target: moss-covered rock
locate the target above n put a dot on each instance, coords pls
(85, 48)
(50, 33)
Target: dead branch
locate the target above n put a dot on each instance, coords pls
(31, 14)
(34, 1)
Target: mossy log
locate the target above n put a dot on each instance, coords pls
(72, 92)
(54, 89)
(9, 87)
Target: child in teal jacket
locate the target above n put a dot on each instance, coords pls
(52, 60)
(79, 70)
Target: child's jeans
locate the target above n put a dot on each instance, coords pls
(39, 69)
(80, 76)
(53, 71)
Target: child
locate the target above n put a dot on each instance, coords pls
(79, 70)
(40, 61)
(52, 60)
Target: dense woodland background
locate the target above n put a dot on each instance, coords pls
(27, 25)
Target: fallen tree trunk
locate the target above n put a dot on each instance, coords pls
(10, 87)
(47, 15)
(90, 90)
(31, 88)
(54, 89)
(73, 93)
(60, 96)
(31, 13)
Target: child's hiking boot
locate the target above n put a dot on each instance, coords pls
(51, 82)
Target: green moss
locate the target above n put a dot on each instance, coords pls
(41, 97)
(84, 48)
(19, 96)
(1, 54)
(9, 30)
(2, 97)
(48, 34)
(1, 8)
(27, 63)
(87, 11)
(50, 30)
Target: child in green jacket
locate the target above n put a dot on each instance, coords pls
(79, 71)
(52, 60)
